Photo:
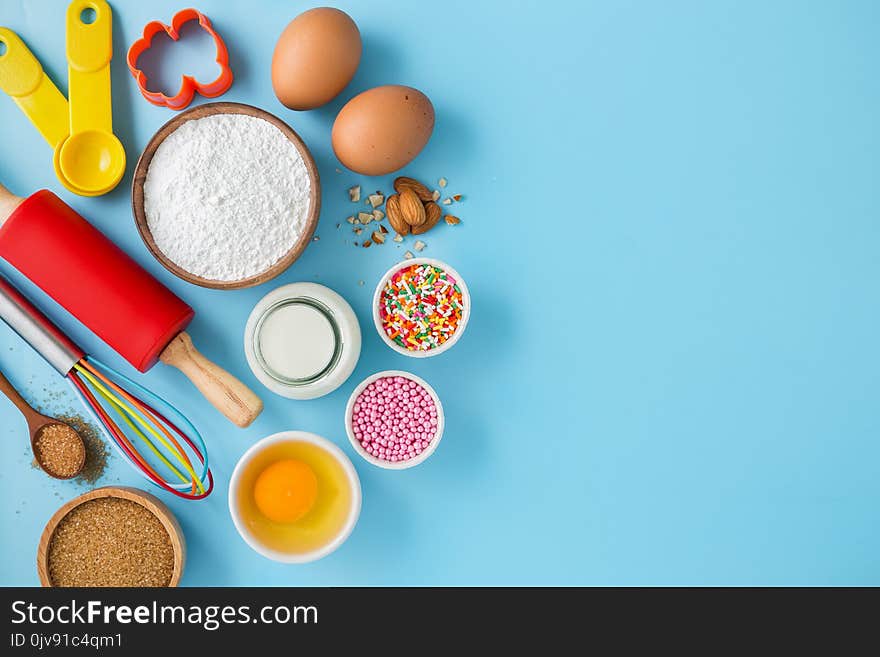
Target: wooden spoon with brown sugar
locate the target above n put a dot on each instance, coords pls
(57, 446)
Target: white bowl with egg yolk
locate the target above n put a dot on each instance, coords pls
(253, 529)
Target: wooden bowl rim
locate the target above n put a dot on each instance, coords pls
(199, 112)
(150, 502)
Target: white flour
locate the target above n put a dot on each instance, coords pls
(226, 196)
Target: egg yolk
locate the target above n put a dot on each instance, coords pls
(286, 490)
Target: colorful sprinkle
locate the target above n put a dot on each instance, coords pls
(421, 307)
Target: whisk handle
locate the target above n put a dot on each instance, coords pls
(228, 395)
(37, 330)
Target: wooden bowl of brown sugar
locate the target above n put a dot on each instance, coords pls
(112, 536)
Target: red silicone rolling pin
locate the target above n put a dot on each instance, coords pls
(118, 300)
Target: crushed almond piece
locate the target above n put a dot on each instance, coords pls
(419, 245)
(452, 220)
(316, 239)
(350, 220)
(456, 197)
(354, 193)
(376, 200)
(442, 182)
(435, 194)
(447, 201)
(367, 243)
(408, 255)
(378, 215)
(378, 237)
(398, 237)
(365, 217)
(383, 230)
(358, 231)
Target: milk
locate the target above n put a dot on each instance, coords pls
(297, 341)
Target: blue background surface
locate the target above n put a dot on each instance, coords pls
(671, 234)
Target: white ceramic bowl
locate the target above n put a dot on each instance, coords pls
(382, 463)
(465, 315)
(341, 458)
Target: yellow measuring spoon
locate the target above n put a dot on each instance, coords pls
(23, 78)
(92, 159)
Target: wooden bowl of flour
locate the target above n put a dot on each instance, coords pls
(260, 239)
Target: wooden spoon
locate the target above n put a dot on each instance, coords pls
(37, 423)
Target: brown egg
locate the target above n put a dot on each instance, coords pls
(382, 129)
(316, 55)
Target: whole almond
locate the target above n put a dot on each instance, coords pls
(411, 208)
(421, 191)
(395, 218)
(432, 216)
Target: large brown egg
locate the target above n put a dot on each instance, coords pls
(382, 129)
(316, 55)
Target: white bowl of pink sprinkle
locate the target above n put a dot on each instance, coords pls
(421, 307)
(394, 419)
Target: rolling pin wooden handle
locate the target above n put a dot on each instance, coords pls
(8, 203)
(228, 395)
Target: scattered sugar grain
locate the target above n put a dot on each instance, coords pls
(96, 448)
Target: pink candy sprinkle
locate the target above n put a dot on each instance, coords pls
(394, 419)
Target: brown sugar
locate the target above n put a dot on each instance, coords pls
(60, 450)
(110, 541)
(96, 448)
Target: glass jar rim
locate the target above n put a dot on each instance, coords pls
(326, 312)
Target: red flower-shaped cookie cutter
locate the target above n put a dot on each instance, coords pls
(190, 85)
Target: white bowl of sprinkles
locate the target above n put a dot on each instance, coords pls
(404, 462)
(395, 310)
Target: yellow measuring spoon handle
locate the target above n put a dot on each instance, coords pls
(23, 78)
(89, 51)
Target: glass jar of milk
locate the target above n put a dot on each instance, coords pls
(302, 340)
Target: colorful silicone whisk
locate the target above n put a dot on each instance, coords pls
(151, 434)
